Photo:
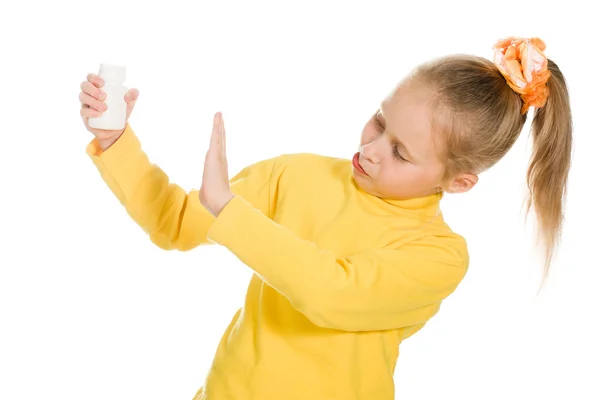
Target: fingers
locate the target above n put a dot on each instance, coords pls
(89, 88)
(91, 95)
(215, 138)
(96, 80)
(90, 113)
(91, 102)
(223, 140)
(217, 142)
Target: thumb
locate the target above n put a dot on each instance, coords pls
(132, 95)
(130, 98)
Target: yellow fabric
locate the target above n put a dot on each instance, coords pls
(341, 277)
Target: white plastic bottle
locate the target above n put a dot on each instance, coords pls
(114, 117)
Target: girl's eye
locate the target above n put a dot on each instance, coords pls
(396, 153)
(378, 123)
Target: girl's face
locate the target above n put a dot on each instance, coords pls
(398, 151)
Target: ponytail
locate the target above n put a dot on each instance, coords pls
(550, 163)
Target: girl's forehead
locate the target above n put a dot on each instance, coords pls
(408, 103)
(407, 114)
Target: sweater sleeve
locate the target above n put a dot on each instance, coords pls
(373, 290)
(172, 217)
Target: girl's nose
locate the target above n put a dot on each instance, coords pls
(368, 153)
(366, 150)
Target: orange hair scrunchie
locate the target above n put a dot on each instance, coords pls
(525, 67)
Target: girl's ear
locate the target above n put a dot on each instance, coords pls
(462, 183)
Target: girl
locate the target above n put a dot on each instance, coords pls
(350, 257)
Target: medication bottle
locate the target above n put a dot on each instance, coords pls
(114, 117)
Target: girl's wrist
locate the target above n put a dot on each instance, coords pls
(106, 143)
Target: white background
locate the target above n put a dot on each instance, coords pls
(91, 309)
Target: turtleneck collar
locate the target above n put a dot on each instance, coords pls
(426, 205)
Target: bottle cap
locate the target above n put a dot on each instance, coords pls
(112, 73)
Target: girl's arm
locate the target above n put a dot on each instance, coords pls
(172, 217)
(375, 290)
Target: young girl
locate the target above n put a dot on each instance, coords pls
(350, 257)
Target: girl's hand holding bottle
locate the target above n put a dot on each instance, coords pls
(93, 106)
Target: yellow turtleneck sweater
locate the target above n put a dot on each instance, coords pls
(341, 277)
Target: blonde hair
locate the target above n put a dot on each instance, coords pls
(479, 118)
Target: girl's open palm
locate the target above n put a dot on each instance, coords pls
(215, 192)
